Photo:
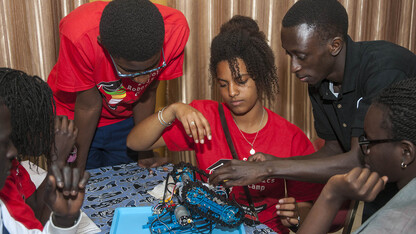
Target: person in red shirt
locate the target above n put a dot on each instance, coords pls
(242, 65)
(112, 56)
(65, 216)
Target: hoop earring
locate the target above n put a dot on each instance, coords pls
(403, 165)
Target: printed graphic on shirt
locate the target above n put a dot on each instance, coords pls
(115, 90)
(123, 90)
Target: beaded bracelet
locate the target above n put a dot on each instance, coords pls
(160, 118)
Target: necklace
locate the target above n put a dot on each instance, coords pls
(252, 151)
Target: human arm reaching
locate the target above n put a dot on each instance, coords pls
(86, 115)
(316, 167)
(146, 135)
(358, 184)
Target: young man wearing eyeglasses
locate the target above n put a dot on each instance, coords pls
(342, 76)
(112, 56)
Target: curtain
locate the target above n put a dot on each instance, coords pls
(391, 20)
(29, 41)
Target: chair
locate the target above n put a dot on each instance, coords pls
(345, 217)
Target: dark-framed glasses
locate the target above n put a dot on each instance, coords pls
(132, 75)
(364, 142)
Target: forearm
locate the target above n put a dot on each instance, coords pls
(87, 113)
(319, 218)
(317, 170)
(146, 135)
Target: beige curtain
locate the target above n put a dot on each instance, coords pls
(29, 33)
(29, 41)
(391, 20)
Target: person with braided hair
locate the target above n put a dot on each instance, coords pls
(65, 216)
(343, 77)
(112, 56)
(37, 132)
(388, 146)
(242, 66)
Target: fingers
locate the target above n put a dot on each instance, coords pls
(84, 180)
(364, 184)
(75, 179)
(194, 123)
(288, 211)
(67, 173)
(58, 176)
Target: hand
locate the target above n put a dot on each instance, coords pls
(193, 121)
(288, 211)
(260, 157)
(238, 173)
(358, 184)
(154, 161)
(64, 194)
(65, 135)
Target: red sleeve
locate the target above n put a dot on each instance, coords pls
(16, 189)
(176, 36)
(302, 191)
(176, 139)
(74, 69)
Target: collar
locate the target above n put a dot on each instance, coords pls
(351, 71)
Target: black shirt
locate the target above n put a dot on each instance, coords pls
(369, 67)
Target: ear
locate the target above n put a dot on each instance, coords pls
(335, 46)
(408, 152)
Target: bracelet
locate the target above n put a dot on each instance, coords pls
(160, 118)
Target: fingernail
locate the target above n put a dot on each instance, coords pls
(190, 135)
(196, 141)
(209, 137)
(60, 184)
(202, 141)
(277, 206)
(281, 201)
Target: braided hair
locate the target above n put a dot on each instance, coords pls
(328, 17)
(31, 106)
(398, 102)
(240, 37)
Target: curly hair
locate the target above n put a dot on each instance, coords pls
(31, 106)
(132, 29)
(328, 17)
(398, 102)
(240, 37)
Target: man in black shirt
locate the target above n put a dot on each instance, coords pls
(343, 77)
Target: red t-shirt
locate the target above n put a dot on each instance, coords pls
(17, 188)
(83, 63)
(278, 137)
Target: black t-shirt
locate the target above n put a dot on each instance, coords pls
(370, 67)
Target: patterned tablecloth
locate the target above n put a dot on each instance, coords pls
(126, 185)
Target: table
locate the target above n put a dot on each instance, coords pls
(126, 185)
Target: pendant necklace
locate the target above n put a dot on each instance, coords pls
(252, 151)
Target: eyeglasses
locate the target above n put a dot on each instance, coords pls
(364, 142)
(122, 75)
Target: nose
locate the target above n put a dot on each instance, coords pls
(11, 151)
(294, 65)
(233, 89)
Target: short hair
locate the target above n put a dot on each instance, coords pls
(240, 37)
(132, 29)
(398, 102)
(31, 106)
(328, 17)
